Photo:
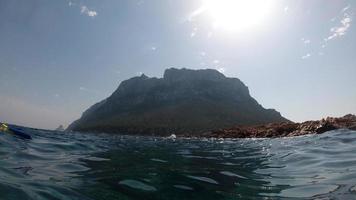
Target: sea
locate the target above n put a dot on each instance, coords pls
(90, 166)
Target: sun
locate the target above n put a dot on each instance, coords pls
(235, 15)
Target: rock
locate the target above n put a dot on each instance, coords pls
(288, 129)
(324, 127)
(183, 102)
(60, 128)
(353, 127)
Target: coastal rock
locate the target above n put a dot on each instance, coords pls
(287, 129)
(60, 128)
(184, 101)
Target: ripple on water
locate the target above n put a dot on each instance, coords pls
(219, 151)
(227, 173)
(158, 160)
(137, 185)
(70, 167)
(184, 152)
(228, 163)
(200, 157)
(308, 191)
(183, 187)
(204, 179)
(96, 159)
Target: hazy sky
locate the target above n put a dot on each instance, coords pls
(59, 57)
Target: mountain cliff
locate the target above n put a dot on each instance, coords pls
(184, 101)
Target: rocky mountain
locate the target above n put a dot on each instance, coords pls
(184, 101)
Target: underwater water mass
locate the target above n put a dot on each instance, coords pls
(68, 165)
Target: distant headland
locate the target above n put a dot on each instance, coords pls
(191, 103)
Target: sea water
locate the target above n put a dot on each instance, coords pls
(67, 165)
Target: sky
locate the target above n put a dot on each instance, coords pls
(57, 58)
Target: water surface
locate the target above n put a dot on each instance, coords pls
(63, 165)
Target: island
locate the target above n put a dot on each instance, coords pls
(193, 103)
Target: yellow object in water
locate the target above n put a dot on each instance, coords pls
(4, 127)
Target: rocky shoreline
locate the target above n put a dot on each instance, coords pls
(286, 129)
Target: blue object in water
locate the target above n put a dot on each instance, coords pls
(20, 133)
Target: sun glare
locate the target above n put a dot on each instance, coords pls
(235, 15)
